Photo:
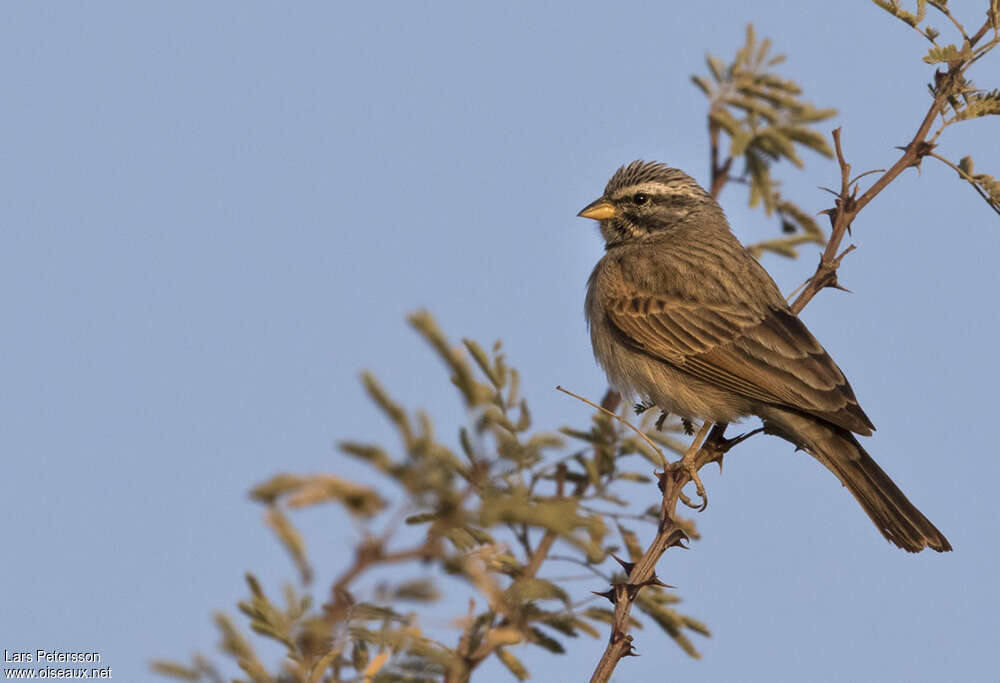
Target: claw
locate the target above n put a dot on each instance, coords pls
(699, 487)
(688, 426)
(687, 501)
(688, 464)
(640, 408)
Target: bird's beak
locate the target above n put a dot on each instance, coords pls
(599, 210)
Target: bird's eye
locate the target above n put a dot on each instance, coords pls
(640, 198)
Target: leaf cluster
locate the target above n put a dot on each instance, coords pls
(766, 121)
(492, 511)
(961, 100)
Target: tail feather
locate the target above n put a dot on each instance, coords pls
(894, 515)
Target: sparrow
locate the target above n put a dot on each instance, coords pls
(682, 316)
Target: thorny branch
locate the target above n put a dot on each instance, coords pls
(847, 206)
(669, 534)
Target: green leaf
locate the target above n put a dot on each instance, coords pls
(527, 590)
(291, 539)
(634, 476)
(324, 488)
(948, 53)
(422, 518)
(985, 104)
(631, 543)
(175, 670)
(539, 638)
(702, 84)
(417, 590)
(370, 453)
(483, 362)
(393, 410)
(359, 656)
(717, 67)
(475, 393)
(512, 663)
(276, 486)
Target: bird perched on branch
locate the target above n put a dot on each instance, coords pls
(681, 315)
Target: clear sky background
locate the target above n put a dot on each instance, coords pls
(213, 215)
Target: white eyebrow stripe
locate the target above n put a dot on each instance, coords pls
(661, 190)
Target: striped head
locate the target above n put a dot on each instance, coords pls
(645, 199)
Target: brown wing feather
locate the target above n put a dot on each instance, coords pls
(769, 356)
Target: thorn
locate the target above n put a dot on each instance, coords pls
(837, 285)
(727, 444)
(630, 652)
(609, 594)
(841, 255)
(719, 461)
(661, 479)
(678, 537)
(655, 581)
(627, 566)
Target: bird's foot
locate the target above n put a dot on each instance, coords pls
(688, 426)
(689, 465)
(660, 420)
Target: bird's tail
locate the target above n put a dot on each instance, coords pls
(895, 516)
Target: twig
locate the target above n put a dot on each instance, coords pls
(944, 10)
(643, 572)
(970, 179)
(369, 553)
(720, 172)
(848, 204)
(550, 536)
(625, 422)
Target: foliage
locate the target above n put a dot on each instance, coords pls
(766, 121)
(961, 99)
(493, 510)
(498, 511)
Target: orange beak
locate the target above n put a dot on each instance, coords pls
(599, 210)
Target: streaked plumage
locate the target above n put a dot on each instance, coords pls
(681, 314)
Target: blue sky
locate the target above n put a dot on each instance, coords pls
(215, 214)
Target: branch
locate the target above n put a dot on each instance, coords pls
(369, 554)
(669, 534)
(848, 204)
(720, 171)
(972, 181)
(615, 415)
(542, 551)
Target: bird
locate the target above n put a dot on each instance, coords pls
(683, 317)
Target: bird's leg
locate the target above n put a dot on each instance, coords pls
(688, 426)
(660, 420)
(688, 464)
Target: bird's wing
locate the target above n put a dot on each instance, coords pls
(767, 356)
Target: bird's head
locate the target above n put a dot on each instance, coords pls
(646, 199)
